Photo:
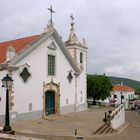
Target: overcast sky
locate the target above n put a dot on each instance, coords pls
(110, 27)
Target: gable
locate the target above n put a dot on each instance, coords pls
(17, 44)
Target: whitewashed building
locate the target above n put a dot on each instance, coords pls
(121, 94)
(49, 75)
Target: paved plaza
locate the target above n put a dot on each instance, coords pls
(85, 122)
(57, 127)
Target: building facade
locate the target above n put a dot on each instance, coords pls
(121, 94)
(49, 75)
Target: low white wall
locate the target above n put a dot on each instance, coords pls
(119, 119)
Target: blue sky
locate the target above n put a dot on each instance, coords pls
(110, 27)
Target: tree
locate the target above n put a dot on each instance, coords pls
(98, 87)
(137, 92)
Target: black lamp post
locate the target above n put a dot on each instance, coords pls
(7, 83)
(121, 97)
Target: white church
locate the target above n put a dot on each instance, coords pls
(49, 75)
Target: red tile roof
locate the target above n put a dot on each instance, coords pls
(123, 88)
(18, 44)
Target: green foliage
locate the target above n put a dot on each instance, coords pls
(137, 92)
(98, 87)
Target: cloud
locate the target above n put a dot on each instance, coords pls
(110, 27)
(115, 70)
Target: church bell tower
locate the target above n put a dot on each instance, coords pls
(77, 50)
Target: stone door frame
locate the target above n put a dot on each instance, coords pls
(56, 89)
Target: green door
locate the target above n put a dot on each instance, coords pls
(49, 102)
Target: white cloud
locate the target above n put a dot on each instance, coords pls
(110, 27)
(115, 70)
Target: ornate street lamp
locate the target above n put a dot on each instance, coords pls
(7, 83)
(121, 97)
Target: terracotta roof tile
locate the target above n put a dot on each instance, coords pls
(123, 88)
(18, 44)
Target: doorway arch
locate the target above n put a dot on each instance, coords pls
(51, 98)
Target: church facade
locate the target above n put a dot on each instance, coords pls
(49, 75)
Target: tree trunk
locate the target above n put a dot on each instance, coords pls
(94, 101)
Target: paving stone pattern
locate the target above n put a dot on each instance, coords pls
(62, 127)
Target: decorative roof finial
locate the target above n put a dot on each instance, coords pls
(72, 23)
(51, 12)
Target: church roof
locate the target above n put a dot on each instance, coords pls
(24, 46)
(17, 44)
(123, 88)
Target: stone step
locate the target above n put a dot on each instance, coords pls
(104, 129)
(99, 129)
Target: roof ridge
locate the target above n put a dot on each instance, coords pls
(123, 88)
(19, 38)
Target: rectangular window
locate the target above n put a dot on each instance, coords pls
(81, 57)
(129, 97)
(51, 65)
(122, 96)
(115, 96)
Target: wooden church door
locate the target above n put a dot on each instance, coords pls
(50, 102)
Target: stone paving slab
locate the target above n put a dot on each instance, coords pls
(84, 122)
(63, 125)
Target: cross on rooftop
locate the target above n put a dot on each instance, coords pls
(72, 23)
(51, 12)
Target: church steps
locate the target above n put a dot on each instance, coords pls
(104, 129)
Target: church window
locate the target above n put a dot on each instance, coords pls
(51, 65)
(70, 77)
(25, 74)
(81, 57)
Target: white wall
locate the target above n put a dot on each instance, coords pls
(118, 120)
(82, 79)
(125, 94)
(81, 82)
(32, 91)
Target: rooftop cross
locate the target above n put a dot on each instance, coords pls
(51, 12)
(72, 23)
